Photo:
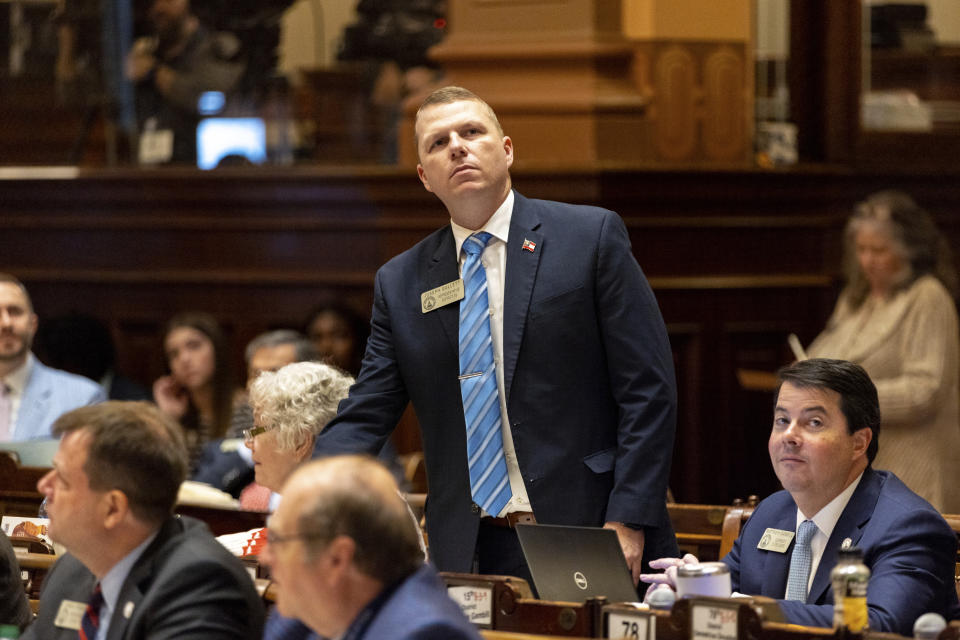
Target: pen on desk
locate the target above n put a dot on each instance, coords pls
(796, 347)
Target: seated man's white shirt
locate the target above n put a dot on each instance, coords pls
(17, 384)
(825, 519)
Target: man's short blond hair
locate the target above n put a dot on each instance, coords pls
(449, 95)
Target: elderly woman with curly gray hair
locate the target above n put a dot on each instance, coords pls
(290, 407)
(896, 317)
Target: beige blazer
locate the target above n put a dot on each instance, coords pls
(909, 346)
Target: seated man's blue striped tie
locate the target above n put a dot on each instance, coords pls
(800, 562)
(489, 483)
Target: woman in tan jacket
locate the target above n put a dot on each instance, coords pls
(896, 317)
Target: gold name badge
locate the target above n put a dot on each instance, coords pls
(441, 296)
(70, 614)
(775, 540)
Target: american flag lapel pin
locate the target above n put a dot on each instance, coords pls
(529, 245)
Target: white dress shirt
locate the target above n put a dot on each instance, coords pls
(825, 519)
(494, 259)
(17, 383)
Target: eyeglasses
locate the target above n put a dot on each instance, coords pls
(250, 434)
(274, 538)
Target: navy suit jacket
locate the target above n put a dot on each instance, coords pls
(49, 393)
(588, 375)
(908, 546)
(186, 585)
(418, 609)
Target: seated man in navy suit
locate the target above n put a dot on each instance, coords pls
(32, 395)
(345, 557)
(824, 438)
(133, 570)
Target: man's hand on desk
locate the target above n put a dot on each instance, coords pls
(631, 541)
(667, 579)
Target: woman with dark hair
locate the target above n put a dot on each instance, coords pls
(199, 389)
(339, 334)
(896, 317)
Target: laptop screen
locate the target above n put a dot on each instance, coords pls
(575, 563)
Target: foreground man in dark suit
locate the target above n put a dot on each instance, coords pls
(14, 608)
(345, 557)
(824, 437)
(585, 390)
(110, 497)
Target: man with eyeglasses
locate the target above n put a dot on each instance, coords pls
(346, 560)
(133, 570)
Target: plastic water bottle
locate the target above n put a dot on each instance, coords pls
(850, 578)
(9, 631)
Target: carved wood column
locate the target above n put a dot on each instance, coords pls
(695, 60)
(557, 72)
(593, 82)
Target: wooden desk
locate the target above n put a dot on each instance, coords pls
(491, 634)
(222, 520)
(512, 607)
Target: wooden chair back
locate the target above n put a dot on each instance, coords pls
(733, 521)
(35, 566)
(18, 488)
(699, 529)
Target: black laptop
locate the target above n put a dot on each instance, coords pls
(575, 563)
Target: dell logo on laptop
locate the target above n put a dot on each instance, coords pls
(580, 580)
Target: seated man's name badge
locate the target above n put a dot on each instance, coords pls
(70, 614)
(441, 296)
(775, 540)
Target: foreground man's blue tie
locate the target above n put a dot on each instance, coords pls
(489, 483)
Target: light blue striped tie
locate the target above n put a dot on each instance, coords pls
(489, 483)
(800, 562)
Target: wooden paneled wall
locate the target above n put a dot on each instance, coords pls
(738, 260)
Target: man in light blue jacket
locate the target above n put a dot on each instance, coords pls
(32, 395)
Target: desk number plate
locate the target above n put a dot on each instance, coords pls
(476, 603)
(709, 622)
(635, 626)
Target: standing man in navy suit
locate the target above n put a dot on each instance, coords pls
(584, 373)
(824, 438)
(32, 395)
